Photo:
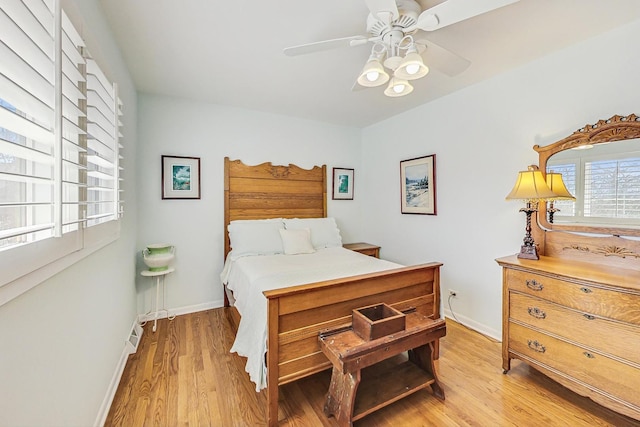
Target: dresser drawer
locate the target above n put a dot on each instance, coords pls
(593, 300)
(591, 368)
(596, 332)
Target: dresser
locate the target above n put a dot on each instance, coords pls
(578, 323)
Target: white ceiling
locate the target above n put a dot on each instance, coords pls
(230, 52)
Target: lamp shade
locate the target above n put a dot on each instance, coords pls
(556, 184)
(531, 186)
(373, 74)
(411, 67)
(398, 87)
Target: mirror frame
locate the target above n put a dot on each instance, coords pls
(617, 128)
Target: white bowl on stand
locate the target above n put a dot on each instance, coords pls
(158, 257)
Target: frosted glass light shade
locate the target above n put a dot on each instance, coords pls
(398, 87)
(411, 67)
(373, 74)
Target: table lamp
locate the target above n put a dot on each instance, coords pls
(531, 188)
(556, 184)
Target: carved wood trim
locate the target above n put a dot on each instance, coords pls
(617, 128)
(609, 250)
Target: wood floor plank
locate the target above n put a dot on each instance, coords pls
(184, 375)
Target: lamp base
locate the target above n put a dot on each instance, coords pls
(528, 252)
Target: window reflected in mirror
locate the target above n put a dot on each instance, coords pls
(604, 178)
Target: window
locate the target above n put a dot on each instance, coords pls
(612, 188)
(60, 149)
(605, 181)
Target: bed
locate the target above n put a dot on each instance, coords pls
(296, 314)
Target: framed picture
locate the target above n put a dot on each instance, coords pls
(342, 184)
(418, 185)
(180, 177)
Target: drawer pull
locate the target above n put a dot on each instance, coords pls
(586, 290)
(537, 313)
(589, 355)
(534, 285)
(589, 316)
(536, 346)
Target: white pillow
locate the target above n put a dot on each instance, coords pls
(256, 237)
(296, 241)
(324, 231)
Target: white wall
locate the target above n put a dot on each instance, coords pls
(60, 343)
(170, 126)
(482, 136)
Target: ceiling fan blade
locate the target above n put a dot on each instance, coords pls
(442, 59)
(452, 11)
(383, 9)
(323, 45)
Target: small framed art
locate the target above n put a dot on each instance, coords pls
(180, 177)
(418, 185)
(342, 184)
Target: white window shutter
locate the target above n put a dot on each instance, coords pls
(27, 77)
(60, 149)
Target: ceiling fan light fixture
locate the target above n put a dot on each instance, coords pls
(373, 74)
(412, 67)
(398, 87)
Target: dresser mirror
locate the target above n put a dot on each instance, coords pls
(600, 166)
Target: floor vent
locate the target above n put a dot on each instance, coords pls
(134, 338)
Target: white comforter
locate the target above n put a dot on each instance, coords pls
(249, 276)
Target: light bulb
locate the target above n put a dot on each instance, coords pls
(412, 68)
(372, 76)
(398, 88)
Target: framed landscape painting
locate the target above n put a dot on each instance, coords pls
(342, 184)
(180, 177)
(418, 185)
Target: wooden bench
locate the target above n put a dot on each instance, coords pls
(376, 370)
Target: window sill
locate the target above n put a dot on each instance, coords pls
(95, 239)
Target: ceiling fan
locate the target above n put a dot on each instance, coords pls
(395, 28)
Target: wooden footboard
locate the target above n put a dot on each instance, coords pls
(297, 314)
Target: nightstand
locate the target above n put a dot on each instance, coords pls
(364, 248)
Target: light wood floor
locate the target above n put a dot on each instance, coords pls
(183, 374)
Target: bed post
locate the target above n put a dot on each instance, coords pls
(324, 191)
(273, 372)
(227, 245)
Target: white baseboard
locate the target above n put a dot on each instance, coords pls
(483, 329)
(115, 380)
(181, 310)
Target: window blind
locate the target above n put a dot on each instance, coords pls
(60, 149)
(103, 147)
(567, 208)
(612, 188)
(27, 121)
(73, 127)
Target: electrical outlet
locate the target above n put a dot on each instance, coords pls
(453, 293)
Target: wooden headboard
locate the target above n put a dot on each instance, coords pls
(268, 191)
